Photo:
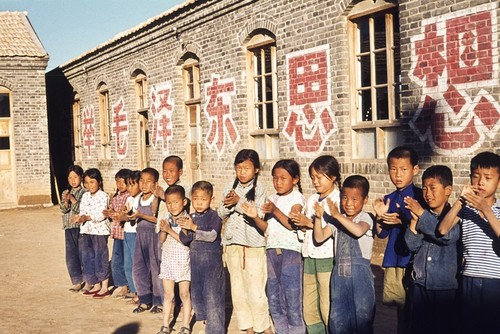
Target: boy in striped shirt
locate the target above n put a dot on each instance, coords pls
(478, 212)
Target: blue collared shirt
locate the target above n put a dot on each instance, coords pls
(397, 253)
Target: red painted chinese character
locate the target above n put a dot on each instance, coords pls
(219, 114)
(310, 120)
(162, 108)
(88, 128)
(430, 63)
(469, 48)
(452, 116)
(120, 128)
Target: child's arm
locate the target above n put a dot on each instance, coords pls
(224, 210)
(356, 229)
(483, 207)
(320, 233)
(270, 208)
(413, 238)
(451, 218)
(166, 229)
(250, 209)
(206, 235)
(65, 204)
(150, 218)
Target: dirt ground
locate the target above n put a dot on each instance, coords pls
(34, 283)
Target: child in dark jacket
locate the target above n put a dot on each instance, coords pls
(207, 273)
(434, 271)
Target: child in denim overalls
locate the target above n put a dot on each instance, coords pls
(146, 265)
(352, 288)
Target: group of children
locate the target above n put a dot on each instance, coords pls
(295, 265)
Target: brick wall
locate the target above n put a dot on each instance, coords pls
(216, 32)
(25, 78)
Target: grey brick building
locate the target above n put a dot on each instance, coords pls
(24, 146)
(291, 79)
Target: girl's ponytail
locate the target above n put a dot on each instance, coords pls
(250, 196)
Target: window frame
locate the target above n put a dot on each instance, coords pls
(140, 84)
(77, 129)
(6, 132)
(384, 132)
(105, 124)
(192, 108)
(266, 136)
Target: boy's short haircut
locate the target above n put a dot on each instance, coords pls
(133, 177)
(175, 159)
(357, 182)
(485, 160)
(153, 172)
(203, 185)
(123, 173)
(439, 172)
(403, 152)
(176, 189)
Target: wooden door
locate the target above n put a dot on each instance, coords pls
(8, 191)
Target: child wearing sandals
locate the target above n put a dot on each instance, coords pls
(175, 265)
(94, 232)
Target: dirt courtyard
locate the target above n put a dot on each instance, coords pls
(34, 282)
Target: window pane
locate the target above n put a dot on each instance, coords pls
(366, 144)
(260, 146)
(365, 71)
(4, 143)
(269, 116)
(379, 25)
(4, 158)
(381, 68)
(258, 89)
(382, 103)
(193, 134)
(393, 138)
(268, 60)
(190, 75)
(397, 100)
(365, 104)
(269, 88)
(259, 114)
(4, 105)
(364, 36)
(258, 63)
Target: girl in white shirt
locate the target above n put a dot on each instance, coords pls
(95, 230)
(284, 260)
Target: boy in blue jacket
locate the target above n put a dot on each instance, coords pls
(434, 272)
(393, 219)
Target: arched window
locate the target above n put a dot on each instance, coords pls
(376, 78)
(77, 128)
(141, 104)
(263, 94)
(104, 117)
(192, 107)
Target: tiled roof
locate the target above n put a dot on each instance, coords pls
(17, 37)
